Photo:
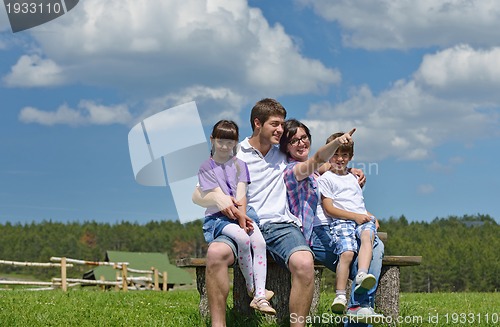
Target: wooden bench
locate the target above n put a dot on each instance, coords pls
(279, 281)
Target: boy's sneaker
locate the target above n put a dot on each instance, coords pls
(365, 315)
(339, 304)
(364, 283)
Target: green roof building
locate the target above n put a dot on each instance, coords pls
(141, 261)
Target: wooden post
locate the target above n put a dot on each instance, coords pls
(64, 284)
(165, 285)
(124, 277)
(156, 281)
(150, 282)
(117, 287)
(103, 287)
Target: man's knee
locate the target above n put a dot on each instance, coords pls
(301, 264)
(219, 253)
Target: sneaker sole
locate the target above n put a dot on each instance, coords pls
(366, 285)
(338, 308)
(366, 319)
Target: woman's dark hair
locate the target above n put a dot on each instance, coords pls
(290, 128)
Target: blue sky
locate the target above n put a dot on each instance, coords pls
(418, 79)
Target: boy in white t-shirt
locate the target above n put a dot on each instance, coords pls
(343, 202)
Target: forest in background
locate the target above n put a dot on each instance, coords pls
(459, 253)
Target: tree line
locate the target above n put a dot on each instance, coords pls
(459, 253)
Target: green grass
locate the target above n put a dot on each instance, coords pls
(452, 309)
(90, 307)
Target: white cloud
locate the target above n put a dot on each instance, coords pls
(33, 71)
(406, 121)
(440, 167)
(381, 24)
(453, 91)
(445, 168)
(221, 102)
(463, 72)
(456, 160)
(215, 103)
(425, 189)
(88, 112)
(153, 46)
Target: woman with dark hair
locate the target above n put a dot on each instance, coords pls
(299, 175)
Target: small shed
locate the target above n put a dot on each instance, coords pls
(141, 261)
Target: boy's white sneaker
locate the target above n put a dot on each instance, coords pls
(364, 283)
(339, 304)
(365, 315)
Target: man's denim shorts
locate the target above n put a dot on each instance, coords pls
(282, 240)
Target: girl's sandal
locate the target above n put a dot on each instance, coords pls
(262, 305)
(269, 294)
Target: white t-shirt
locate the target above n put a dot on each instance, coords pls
(345, 192)
(267, 192)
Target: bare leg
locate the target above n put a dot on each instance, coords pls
(219, 257)
(365, 250)
(301, 266)
(342, 272)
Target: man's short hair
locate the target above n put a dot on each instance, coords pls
(264, 109)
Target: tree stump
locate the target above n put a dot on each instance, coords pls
(387, 296)
(279, 281)
(241, 300)
(202, 290)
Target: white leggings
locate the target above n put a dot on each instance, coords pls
(254, 269)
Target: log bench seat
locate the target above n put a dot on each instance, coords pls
(279, 281)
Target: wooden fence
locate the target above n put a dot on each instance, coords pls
(151, 280)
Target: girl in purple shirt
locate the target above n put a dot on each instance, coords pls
(225, 173)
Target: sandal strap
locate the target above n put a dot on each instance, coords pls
(263, 302)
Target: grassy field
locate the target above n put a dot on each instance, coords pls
(90, 307)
